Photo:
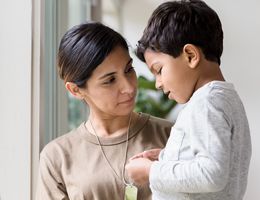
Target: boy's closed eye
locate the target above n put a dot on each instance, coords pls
(159, 71)
(156, 69)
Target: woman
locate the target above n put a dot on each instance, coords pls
(88, 163)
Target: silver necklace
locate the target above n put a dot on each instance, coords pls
(126, 150)
(130, 190)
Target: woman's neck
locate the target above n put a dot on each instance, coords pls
(109, 126)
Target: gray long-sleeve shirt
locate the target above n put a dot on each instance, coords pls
(208, 153)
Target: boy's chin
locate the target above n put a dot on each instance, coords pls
(178, 100)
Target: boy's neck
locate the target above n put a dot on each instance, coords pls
(208, 71)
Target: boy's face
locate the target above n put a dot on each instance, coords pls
(173, 75)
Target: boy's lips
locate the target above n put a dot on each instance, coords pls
(166, 93)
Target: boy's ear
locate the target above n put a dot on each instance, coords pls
(74, 90)
(192, 54)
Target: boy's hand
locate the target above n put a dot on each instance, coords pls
(151, 154)
(138, 170)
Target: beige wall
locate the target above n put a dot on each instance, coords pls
(15, 99)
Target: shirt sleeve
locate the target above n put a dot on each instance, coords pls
(50, 185)
(208, 138)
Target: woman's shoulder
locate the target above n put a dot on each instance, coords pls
(154, 125)
(155, 130)
(160, 121)
(62, 144)
(156, 121)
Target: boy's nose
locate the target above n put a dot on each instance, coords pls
(158, 84)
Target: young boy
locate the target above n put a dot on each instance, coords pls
(208, 153)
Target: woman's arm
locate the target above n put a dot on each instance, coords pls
(49, 186)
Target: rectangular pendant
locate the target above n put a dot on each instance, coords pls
(131, 192)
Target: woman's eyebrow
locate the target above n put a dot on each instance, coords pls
(106, 75)
(130, 61)
(112, 73)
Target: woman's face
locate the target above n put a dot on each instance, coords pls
(112, 87)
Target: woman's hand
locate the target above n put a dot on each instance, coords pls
(139, 165)
(138, 170)
(151, 154)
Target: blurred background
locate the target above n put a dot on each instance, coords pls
(35, 108)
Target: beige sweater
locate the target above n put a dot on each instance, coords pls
(73, 167)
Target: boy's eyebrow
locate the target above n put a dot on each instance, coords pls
(112, 73)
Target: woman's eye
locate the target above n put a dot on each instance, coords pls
(111, 80)
(130, 69)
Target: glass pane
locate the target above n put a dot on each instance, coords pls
(62, 112)
(78, 111)
(78, 12)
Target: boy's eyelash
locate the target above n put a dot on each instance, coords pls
(159, 71)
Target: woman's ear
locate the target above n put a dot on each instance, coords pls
(74, 90)
(192, 54)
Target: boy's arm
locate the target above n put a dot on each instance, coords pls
(210, 140)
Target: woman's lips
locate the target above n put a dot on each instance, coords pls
(127, 101)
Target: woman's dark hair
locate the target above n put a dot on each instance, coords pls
(83, 48)
(174, 24)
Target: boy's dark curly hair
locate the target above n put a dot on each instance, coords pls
(176, 23)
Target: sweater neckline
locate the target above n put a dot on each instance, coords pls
(108, 141)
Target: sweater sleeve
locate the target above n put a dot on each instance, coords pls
(50, 185)
(207, 138)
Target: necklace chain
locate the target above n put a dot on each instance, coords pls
(126, 150)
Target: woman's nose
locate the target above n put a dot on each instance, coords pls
(127, 86)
